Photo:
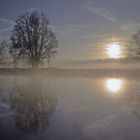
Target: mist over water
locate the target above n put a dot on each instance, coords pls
(41, 107)
(70, 70)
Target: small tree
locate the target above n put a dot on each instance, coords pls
(32, 39)
(134, 46)
(3, 53)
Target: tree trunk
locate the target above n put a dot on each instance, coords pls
(35, 65)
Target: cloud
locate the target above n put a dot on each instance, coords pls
(8, 25)
(33, 9)
(130, 25)
(69, 31)
(102, 12)
(75, 31)
(125, 25)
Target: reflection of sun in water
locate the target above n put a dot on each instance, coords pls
(114, 50)
(114, 85)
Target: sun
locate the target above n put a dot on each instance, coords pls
(114, 50)
(114, 85)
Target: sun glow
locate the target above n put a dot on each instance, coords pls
(114, 85)
(114, 50)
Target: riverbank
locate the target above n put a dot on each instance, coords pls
(57, 72)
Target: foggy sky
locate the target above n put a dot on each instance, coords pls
(82, 27)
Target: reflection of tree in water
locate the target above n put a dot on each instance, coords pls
(32, 105)
(4, 90)
(134, 103)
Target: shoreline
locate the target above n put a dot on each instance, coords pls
(74, 73)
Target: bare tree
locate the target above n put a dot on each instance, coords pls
(4, 53)
(32, 40)
(15, 56)
(134, 46)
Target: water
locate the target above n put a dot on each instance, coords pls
(40, 108)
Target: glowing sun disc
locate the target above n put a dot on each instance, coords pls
(114, 85)
(114, 50)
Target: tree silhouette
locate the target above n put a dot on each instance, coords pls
(32, 40)
(3, 53)
(134, 46)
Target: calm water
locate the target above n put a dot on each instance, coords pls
(41, 108)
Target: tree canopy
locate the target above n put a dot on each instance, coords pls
(134, 46)
(32, 39)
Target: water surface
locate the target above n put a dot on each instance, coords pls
(40, 108)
